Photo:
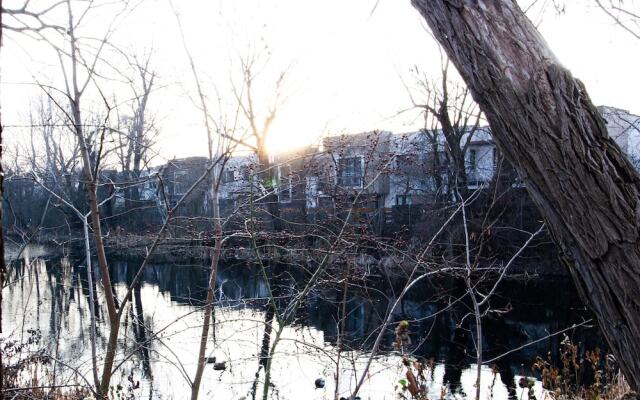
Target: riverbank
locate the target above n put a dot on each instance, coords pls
(297, 251)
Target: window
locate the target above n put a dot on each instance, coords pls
(150, 183)
(406, 163)
(408, 167)
(228, 176)
(246, 173)
(350, 171)
(311, 191)
(284, 183)
(473, 159)
(403, 199)
(180, 183)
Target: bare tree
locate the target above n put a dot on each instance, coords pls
(450, 108)
(138, 132)
(87, 247)
(79, 71)
(623, 13)
(74, 91)
(260, 126)
(36, 23)
(545, 124)
(221, 139)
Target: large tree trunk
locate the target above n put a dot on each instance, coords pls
(545, 124)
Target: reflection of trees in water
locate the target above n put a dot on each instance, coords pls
(434, 322)
(281, 284)
(501, 339)
(139, 328)
(523, 313)
(456, 335)
(82, 273)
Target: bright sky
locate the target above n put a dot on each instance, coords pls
(345, 62)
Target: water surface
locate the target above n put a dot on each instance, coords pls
(162, 327)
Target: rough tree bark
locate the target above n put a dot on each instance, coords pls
(545, 124)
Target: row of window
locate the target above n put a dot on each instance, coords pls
(350, 173)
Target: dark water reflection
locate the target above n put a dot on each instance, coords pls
(162, 328)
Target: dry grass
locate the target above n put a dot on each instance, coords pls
(591, 376)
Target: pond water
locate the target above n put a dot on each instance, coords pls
(161, 331)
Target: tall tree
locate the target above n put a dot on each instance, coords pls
(138, 132)
(220, 147)
(260, 126)
(545, 124)
(450, 108)
(37, 24)
(78, 67)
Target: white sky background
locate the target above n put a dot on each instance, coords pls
(345, 63)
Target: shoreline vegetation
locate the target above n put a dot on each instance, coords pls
(135, 247)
